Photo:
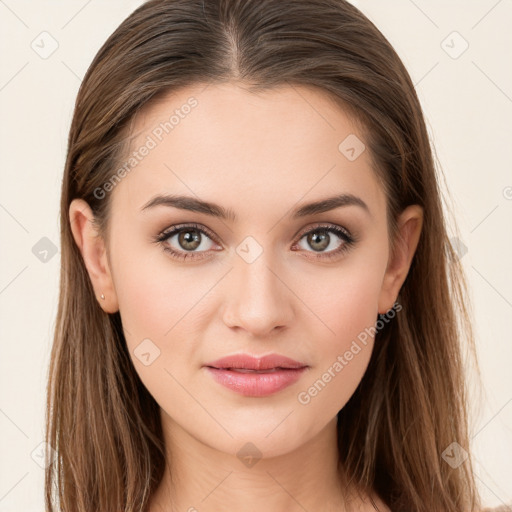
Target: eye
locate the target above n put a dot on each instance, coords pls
(190, 239)
(321, 239)
(193, 239)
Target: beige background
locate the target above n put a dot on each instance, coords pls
(467, 99)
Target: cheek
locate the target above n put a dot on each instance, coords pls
(346, 300)
(155, 298)
(155, 305)
(347, 308)
(144, 301)
(158, 304)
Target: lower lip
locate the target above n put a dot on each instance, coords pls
(254, 383)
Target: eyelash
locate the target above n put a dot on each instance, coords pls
(348, 240)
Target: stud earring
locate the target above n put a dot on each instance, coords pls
(102, 296)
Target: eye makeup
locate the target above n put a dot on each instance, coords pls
(322, 230)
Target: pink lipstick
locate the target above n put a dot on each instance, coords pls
(257, 377)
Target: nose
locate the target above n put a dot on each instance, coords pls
(258, 297)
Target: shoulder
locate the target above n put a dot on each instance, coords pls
(382, 507)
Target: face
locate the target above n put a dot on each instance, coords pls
(268, 277)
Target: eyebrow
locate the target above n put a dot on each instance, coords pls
(196, 205)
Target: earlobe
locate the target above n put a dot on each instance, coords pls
(94, 254)
(410, 223)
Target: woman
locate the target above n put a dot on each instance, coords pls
(259, 302)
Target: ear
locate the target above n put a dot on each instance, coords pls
(94, 253)
(410, 223)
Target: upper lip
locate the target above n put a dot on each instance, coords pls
(248, 362)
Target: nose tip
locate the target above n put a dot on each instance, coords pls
(257, 299)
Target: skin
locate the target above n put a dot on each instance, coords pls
(261, 155)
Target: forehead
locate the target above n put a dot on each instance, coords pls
(304, 111)
(221, 139)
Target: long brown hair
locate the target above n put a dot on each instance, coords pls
(411, 404)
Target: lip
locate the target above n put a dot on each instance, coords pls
(256, 383)
(257, 377)
(248, 362)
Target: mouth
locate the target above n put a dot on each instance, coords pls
(255, 383)
(270, 362)
(256, 376)
(248, 370)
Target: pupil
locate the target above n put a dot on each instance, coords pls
(189, 240)
(322, 238)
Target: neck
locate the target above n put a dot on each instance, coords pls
(200, 477)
